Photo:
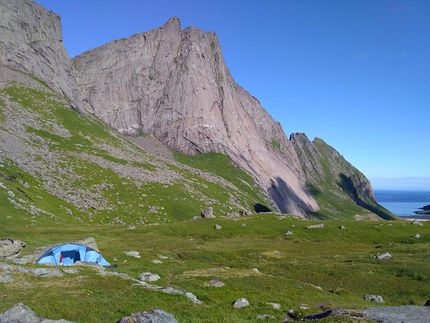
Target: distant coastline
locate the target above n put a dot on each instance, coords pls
(404, 203)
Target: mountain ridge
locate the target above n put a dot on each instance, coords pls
(167, 83)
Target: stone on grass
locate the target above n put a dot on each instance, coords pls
(132, 254)
(216, 283)
(20, 313)
(384, 255)
(46, 272)
(208, 213)
(5, 278)
(315, 226)
(10, 249)
(157, 262)
(241, 302)
(265, 317)
(288, 233)
(217, 227)
(148, 277)
(417, 236)
(373, 298)
(152, 316)
(418, 223)
(276, 306)
(342, 227)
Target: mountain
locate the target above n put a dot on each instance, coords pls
(167, 87)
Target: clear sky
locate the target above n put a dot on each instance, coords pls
(355, 73)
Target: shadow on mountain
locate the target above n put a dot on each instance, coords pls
(287, 199)
(260, 208)
(348, 185)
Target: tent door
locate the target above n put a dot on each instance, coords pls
(69, 257)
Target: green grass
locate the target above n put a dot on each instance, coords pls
(289, 267)
(88, 154)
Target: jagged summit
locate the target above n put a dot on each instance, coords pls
(174, 84)
(31, 41)
(171, 84)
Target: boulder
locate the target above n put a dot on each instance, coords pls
(384, 255)
(10, 249)
(152, 316)
(417, 223)
(373, 298)
(216, 283)
(208, 213)
(241, 302)
(148, 277)
(5, 278)
(315, 226)
(20, 313)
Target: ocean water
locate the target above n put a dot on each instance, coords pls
(402, 203)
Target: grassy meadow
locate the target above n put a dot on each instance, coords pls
(314, 268)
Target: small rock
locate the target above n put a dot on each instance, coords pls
(417, 236)
(418, 223)
(155, 316)
(288, 233)
(46, 272)
(5, 278)
(373, 298)
(156, 261)
(217, 227)
(148, 277)
(342, 227)
(276, 306)
(216, 283)
(315, 226)
(132, 254)
(265, 317)
(208, 213)
(241, 302)
(385, 255)
(243, 224)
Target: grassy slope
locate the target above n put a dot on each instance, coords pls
(128, 199)
(339, 261)
(333, 196)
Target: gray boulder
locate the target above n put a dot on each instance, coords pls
(241, 302)
(20, 313)
(5, 278)
(417, 223)
(315, 226)
(152, 316)
(208, 213)
(374, 298)
(216, 283)
(10, 249)
(384, 255)
(148, 277)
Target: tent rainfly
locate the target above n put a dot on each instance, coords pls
(69, 253)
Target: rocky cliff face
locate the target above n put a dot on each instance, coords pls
(31, 42)
(170, 83)
(174, 84)
(330, 177)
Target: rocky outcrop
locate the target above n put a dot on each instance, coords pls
(328, 173)
(31, 42)
(174, 84)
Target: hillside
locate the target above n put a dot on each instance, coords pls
(60, 161)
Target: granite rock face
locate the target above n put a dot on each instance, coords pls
(31, 42)
(174, 84)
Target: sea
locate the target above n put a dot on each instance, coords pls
(403, 203)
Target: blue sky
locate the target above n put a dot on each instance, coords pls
(355, 73)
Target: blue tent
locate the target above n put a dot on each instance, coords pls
(69, 253)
